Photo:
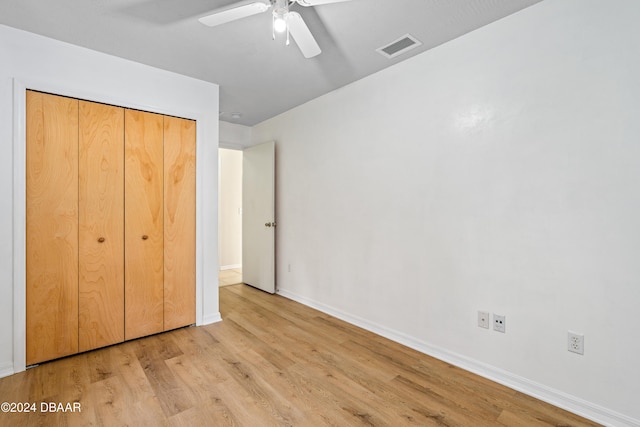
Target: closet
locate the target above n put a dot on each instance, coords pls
(110, 225)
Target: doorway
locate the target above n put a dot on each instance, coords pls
(230, 216)
(246, 224)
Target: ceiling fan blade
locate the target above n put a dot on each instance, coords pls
(302, 35)
(318, 2)
(235, 13)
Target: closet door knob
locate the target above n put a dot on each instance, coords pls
(100, 239)
(145, 237)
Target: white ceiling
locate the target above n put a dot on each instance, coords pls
(258, 77)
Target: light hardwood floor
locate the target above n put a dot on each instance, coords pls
(232, 276)
(270, 362)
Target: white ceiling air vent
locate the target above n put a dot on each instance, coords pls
(400, 46)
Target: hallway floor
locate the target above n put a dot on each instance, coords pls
(230, 277)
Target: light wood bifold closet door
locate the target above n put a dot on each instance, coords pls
(101, 239)
(52, 227)
(110, 225)
(179, 222)
(144, 289)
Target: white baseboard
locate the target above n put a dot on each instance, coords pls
(6, 369)
(211, 318)
(230, 267)
(554, 397)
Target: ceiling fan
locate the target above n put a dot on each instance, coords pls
(284, 20)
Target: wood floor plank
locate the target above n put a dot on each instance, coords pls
(128, 367)
(152, 355)
(270, 362)
(110, 401)
(213, 414)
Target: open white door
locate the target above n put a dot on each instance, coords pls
(258, 217)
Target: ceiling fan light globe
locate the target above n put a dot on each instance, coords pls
(279, 25)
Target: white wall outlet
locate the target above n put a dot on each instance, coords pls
(483, 319)
(576, 343)
(499, 323)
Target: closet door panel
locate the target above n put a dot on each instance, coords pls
(52, 227)
(143, 224)
(179, 222)
(101, 225)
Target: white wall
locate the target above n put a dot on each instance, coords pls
(234, 136)
(230, 209)
(31, 61)
(496, 172)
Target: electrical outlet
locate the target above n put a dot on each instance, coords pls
(483, 319)
(576, 343)
(499, 323)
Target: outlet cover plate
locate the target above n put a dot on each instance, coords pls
(575, 342)
(499, 323)
(483, 319)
